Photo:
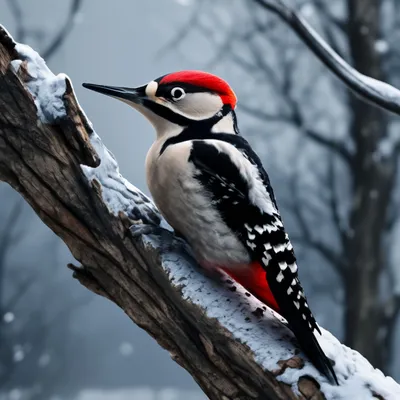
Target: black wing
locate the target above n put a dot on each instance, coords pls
(261, 232)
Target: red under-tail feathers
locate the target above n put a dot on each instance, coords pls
(254, 279)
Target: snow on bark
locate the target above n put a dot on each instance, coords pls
(46, 88)
(245, 317)
(118, 193)
(271, 341)
(48, 92)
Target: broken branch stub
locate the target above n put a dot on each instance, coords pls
(232, 345)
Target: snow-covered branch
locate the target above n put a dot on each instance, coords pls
(373, 90)
(233, 346)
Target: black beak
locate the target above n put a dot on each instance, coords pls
(134, 95)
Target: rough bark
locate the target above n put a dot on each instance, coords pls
(154, 280)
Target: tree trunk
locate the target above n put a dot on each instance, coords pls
(373, 178)
(232, 345)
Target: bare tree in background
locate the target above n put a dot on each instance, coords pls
(25, 349)
(341, 175)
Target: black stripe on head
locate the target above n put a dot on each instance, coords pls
(181, 120)
(198, 129)
(167, 113)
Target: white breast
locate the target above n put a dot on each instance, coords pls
(187, 206)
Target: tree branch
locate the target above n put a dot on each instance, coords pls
(306, 235)
(335, 146)
(233, 346)
(65, 29)
(22, 32)
(369, 89)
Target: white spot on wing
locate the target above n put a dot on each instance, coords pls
(283, 265)
(290, 290)
(271, 228)
(258, 194)
(259, 229)
(279, 247)
(293, 267)
(251, 245)
(297, 304)
(279, 277)
(266, 255)
(278, 222)
(251, 236)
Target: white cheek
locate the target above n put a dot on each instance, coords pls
(197, 105)
(161, 125)
(225, 125)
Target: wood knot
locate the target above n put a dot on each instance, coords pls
(310, 388)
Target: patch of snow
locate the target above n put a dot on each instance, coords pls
(15, 64)
(46, 88)
(268, 338)
(117, 192)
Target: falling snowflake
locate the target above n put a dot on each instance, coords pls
(307, 10)
(126, 349)
(184, 2)
(8, 317)
(15, 394)
(44, 360)
(381, 46)
(19, 353)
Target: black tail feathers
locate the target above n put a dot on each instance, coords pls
(312, 349)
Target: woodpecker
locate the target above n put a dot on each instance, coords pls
(212, 188)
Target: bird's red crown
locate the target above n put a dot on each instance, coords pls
(204, 80)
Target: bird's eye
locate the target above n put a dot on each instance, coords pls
(177, 93)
